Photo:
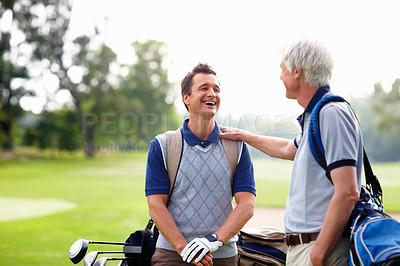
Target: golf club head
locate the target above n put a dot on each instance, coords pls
(101, 262)
(91, 258)
(123, 263)
(78, 250)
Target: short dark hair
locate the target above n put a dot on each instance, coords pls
(186, 84)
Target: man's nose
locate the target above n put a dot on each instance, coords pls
(211, 92)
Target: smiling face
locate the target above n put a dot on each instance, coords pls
(290, 80)
(204, 98)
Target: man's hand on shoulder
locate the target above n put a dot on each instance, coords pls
(232, 133)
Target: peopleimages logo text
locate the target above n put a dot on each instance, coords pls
(126, 123)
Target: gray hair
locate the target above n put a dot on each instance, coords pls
(313, 58)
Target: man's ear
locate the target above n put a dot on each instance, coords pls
(186, 98)
(297, 73)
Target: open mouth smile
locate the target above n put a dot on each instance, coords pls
(210, 103)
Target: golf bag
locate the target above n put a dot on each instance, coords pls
(146, 240)
(374, 235)
(137, 250)
(261, 246)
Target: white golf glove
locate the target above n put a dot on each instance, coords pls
(200, 246)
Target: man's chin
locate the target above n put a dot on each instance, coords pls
(210, 111)
(288, 96)
(210, 114)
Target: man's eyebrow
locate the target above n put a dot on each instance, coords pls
(206, 84)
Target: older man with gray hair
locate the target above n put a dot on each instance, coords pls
(317, 209)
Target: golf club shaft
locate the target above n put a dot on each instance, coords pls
(108, 243)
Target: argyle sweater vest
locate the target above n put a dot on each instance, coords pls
(201, 199)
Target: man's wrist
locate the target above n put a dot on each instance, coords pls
(181, 246)
(216, 237)
(213, 237)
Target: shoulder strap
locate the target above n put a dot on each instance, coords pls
(232, 154)
(314, 134)
(174, 154)
(318, 150)
(372, 181)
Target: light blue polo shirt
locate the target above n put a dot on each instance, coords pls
(310, 190)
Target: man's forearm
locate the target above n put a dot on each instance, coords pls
(166, 225)
(272, 146)
(170, 232)
(243, 211)
(334, 224)
(342, 203)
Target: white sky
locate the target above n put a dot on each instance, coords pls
(241, 40)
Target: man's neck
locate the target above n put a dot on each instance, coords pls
(202, 128)
(305, 96)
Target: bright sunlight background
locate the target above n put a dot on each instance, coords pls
(242, 39)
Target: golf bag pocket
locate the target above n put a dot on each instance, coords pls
(261, 246)
(375, 238)
(141, 244)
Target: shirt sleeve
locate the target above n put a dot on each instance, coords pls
(157, 180)
(340, 135)
(244, 173)
(297, 140)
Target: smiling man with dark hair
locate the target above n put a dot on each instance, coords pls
(199, 224)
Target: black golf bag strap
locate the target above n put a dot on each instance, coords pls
(371, 180)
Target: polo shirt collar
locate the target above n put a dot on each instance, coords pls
(314, 100)
(192, 139)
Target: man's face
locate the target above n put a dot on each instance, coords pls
(204, 98)
(290, 81)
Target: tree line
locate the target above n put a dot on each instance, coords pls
(114, 106)
(104, 104)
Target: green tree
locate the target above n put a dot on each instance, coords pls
(381, 146)
(45, 32)
(387, 106)
(140, 106)
(11, 91)
(146, 94)
(96, 95)
(68, 135)
(55, 130)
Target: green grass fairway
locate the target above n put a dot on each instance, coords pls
(48, 203)
(107, 192)
(273, 177)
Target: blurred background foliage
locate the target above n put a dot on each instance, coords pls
(109, 106)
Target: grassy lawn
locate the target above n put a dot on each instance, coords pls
(108, 193)
(273, 177)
